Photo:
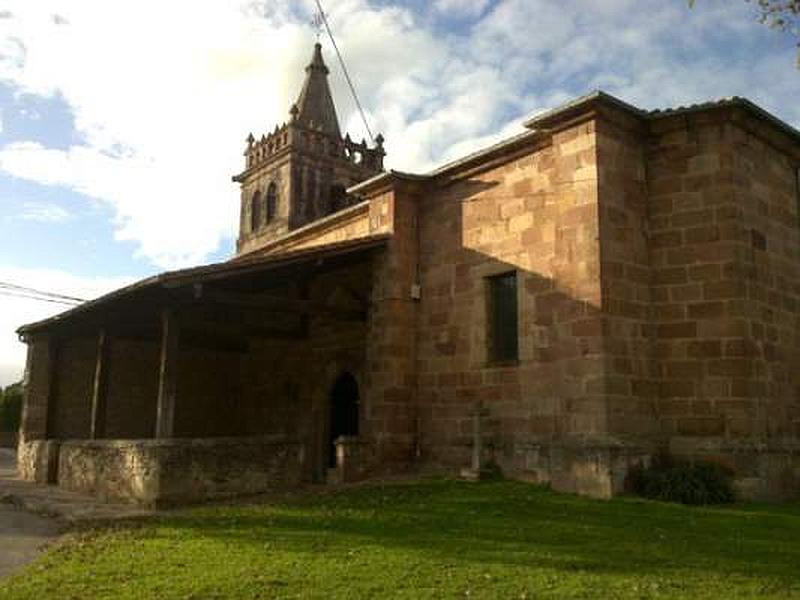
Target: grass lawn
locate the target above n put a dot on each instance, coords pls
(435, 539)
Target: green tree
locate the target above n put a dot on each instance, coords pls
(11, 407)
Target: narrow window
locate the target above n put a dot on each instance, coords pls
(255, 211)
(758, 240)
(272, 202)
(502, 318)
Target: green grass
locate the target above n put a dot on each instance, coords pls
(435, 539)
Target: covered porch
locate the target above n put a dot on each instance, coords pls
(228, 379)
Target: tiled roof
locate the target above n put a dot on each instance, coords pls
(723, 102)
(579, 104)
(221, 270)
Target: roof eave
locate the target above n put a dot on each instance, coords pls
(582, 104)
(171, 279)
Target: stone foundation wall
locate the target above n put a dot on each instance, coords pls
(591, 467)
(355, 459)
(765, 470)
(168, 472)
(37, 461)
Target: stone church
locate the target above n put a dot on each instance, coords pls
(611, 283)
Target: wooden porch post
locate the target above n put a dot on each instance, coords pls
(38, 406)
(168, 373)
(100, 386)
(51, 389)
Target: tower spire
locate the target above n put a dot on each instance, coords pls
(315, 107)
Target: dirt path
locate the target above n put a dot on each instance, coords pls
(8, 462)
(22, 534)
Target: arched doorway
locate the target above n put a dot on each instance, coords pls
(343, 412)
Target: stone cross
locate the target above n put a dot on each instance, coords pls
(318, 22)
(476, 470)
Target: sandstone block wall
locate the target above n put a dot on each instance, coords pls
(374, 217)
(726, 285)
(537, 215)
(281, 175)
(626, 274)
(658, 275)
(286, 384)
(390, 369)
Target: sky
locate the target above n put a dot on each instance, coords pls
(121, 123)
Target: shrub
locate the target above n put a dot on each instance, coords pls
(674, 480)
(11, 408)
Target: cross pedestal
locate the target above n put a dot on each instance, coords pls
(477, 470)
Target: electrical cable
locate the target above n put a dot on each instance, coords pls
(39, 298)
(344, 68)
(28, 290)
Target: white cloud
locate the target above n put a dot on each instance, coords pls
(164, 93)
(459, 8)
(43, 212)
(16, 311)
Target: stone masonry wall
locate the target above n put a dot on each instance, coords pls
(390, 378)
(286, 384)
(209, 392)
(71, 415)
(356, 222)
(537, 214)
(37, 389)
(724, 250)
(132, 389)
(626, 276)
(281, 175)
(159, 473)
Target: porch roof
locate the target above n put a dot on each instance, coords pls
(213, 272)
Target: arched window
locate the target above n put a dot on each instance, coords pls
(272, 202)
(255, 211)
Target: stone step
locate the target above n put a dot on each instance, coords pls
(333, 476)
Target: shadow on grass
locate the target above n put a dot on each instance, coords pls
(515, 524)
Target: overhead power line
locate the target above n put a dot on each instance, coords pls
(20, 291)
(324, 19)
(27, 290)
(4, 292)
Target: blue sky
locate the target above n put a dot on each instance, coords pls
(121, 123)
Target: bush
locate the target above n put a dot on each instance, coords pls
(673, 480)
(11, 408)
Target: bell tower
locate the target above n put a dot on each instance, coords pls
(300, 171)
